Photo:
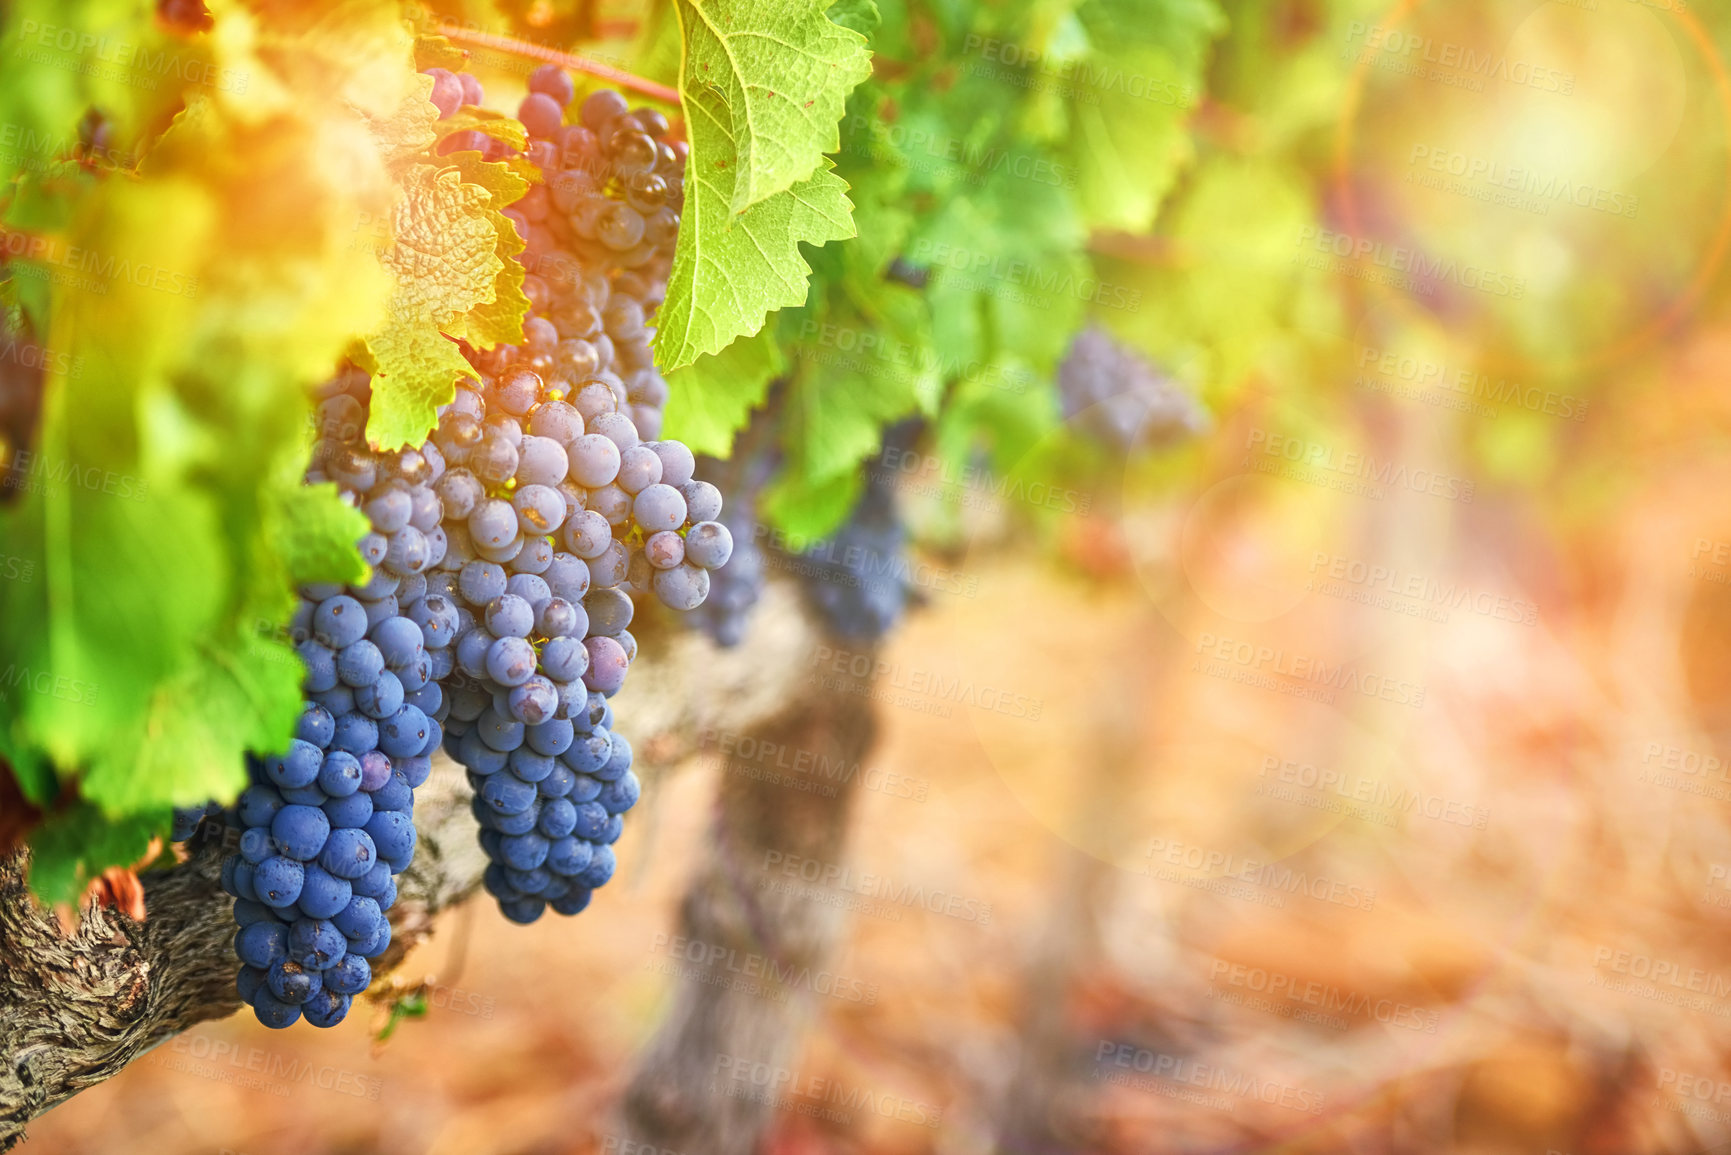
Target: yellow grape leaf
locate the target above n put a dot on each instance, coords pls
(445, 257)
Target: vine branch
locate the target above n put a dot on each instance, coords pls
(511, 44)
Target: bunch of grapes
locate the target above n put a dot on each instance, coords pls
(558, 513)
(1120, 399)
(327, 823)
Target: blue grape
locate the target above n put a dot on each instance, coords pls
(316, 725)
(599, 870)
(358, 919)
(508, 794)
(568, 856)
(360, 663)
(529, 766)
(383, 697)
(520, 823)
(558, 818)
(291, 983)
(340, 775)
(326, 1008)
(300, 831)
(316, 943)
(416, 770)
(437, 619)
(350, 976)
(709, 545)
(350, 811)
(589, 753)
(399, 641)
(684, 587)
(349, 853)
(355, 734)
(248, 982)
(276, 881)
(373, 883)
(262, 943)
(339, 622)
(395, 794)
(404, 735)
(255, 844)
(552, 737)
(565, 659)
(273, 1012)
(591, 820)
(305, 796)
(621, 794)
(393, 835)
(258, 805)
(323, 894)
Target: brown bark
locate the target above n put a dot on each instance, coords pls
(675, 1100)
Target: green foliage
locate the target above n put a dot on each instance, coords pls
(196, 301)
(762, 86)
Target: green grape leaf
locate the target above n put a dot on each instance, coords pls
(1131, 85)
(445, 257)
(316, 531)
(775, 74)
(75, 845)
(729, 272)
(861, 16)
(711, 399)
(763, 87)
(806, 512)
